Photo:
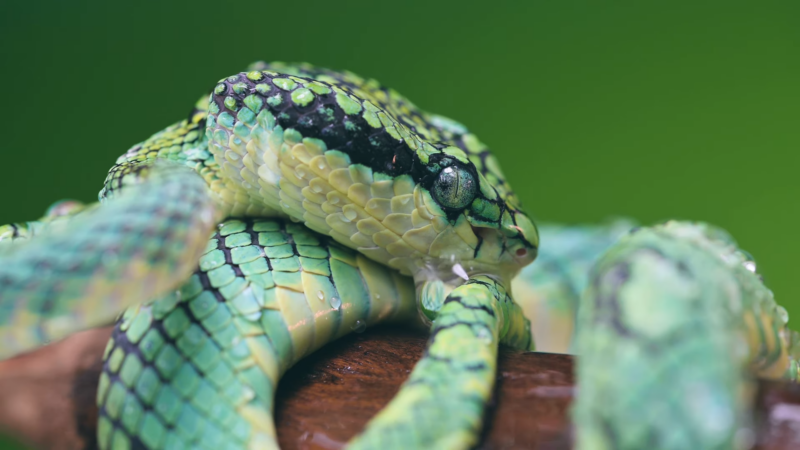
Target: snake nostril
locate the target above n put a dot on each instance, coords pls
(521, 252)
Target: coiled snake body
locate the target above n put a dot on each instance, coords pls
(389, 192)
(333, 203)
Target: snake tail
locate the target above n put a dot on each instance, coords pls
(442, 403)
(199, 367)
(81, 272)
(672, 330)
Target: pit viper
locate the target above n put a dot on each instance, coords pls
(332, 204)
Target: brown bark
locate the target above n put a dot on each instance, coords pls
(47, 397)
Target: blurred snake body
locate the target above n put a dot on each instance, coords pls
(671, 325)
(295, 205)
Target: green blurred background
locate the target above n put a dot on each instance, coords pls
(653, 110)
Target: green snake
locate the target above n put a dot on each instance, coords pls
(353, 208)
(333, 204)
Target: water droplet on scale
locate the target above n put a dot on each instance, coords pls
(206, 217)
(316, 188)
(321, 296)
(359, 326)
(248, 393)
(350, 214)
(335, 303)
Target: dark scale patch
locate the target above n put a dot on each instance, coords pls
(322, 118)
(352, 83)
(133, 151)
(394, 105)
(606, 305)
(121, 170)
(435, 332)
(206, 283)
(482, 283)
(607, 309)
(228, 258)
(457, 299)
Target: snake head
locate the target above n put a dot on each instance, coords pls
(356, 161)
(466, 186)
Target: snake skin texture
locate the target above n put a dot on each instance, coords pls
(82, 273)
(199, 368)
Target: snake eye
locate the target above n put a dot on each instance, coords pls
(455, 188)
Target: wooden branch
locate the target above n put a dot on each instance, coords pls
(47, 397)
